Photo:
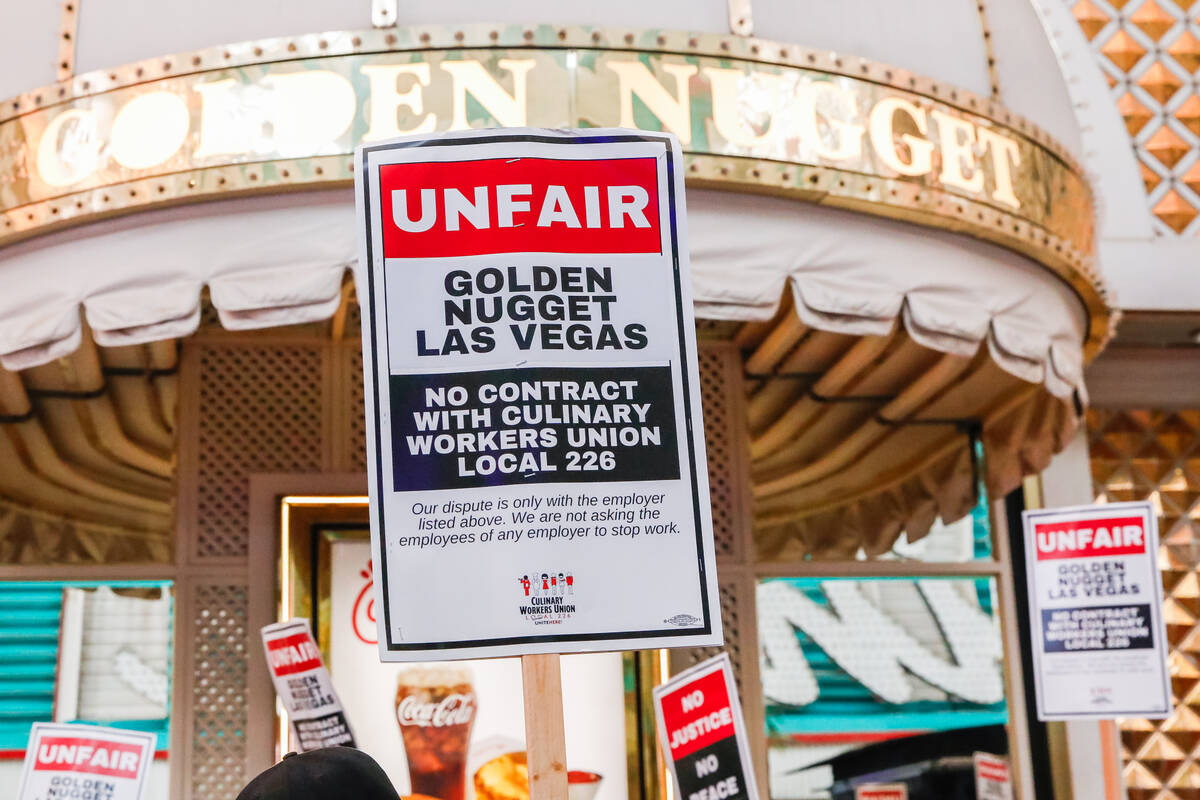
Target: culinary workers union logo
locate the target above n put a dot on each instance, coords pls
(547, 597)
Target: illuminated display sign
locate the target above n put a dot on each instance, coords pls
(321, 107)
(851, 662)
(872, 137)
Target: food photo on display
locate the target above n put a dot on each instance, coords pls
(435, 710)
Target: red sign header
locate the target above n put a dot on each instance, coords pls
(891, 792)
(91, 756)
(440, 209)
(697, 714)
(1091, 538)
(292, 654)
(991, 769)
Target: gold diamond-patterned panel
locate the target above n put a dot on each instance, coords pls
(732, 620)
(260, 410)
(218, 753)
(1155, 455)
(1149, 51)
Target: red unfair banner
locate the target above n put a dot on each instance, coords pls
(90, 756)
(881, 792)
(292, 654)
(1113, 536)
(519, 205)
(697, 714)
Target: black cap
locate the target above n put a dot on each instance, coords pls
(331, 773)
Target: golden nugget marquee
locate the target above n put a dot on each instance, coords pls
(752, 115)
(895, 286)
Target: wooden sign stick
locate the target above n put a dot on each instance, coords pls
(545, 742)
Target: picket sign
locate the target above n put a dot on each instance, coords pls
(703, 734)
(992, 779)
(65, 760)
(532, 396)
(1096, 612)
(304, 687)
(881, 791)
(531, 376)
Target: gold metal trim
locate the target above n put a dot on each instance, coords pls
(1067, 250)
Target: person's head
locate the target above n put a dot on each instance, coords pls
(544, 576)
(331, 773)
(560, 576)
(524, 577)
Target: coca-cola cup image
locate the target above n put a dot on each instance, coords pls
(435, 707)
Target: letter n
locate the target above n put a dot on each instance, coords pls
(673, 113)
(508, 110)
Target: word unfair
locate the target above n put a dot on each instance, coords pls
(750, 110)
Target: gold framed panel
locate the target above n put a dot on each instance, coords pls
(309, 524)
(753, 115)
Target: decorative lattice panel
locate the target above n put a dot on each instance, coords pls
(218, 747)
(732, 618)
(1137, 455)
(260, 410)
(721, 397)
(356, 419)
(1149, 50)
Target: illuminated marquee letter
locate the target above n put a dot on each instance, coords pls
(386, 100)
(69, 150)
(224, 126)
(312, 109)
(727, 86)
(957, 137)
(149, 129)
(1005, 155)
(824, 99)
(883, 131)
(675, 113)
(509, 110)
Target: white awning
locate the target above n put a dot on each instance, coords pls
(281, 260)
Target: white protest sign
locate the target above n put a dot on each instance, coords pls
(77, 761)
(535, 443)
(992, 780)
(303, 685)
(1095, 605)
(703, 734)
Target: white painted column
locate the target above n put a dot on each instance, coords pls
(1068, 482)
